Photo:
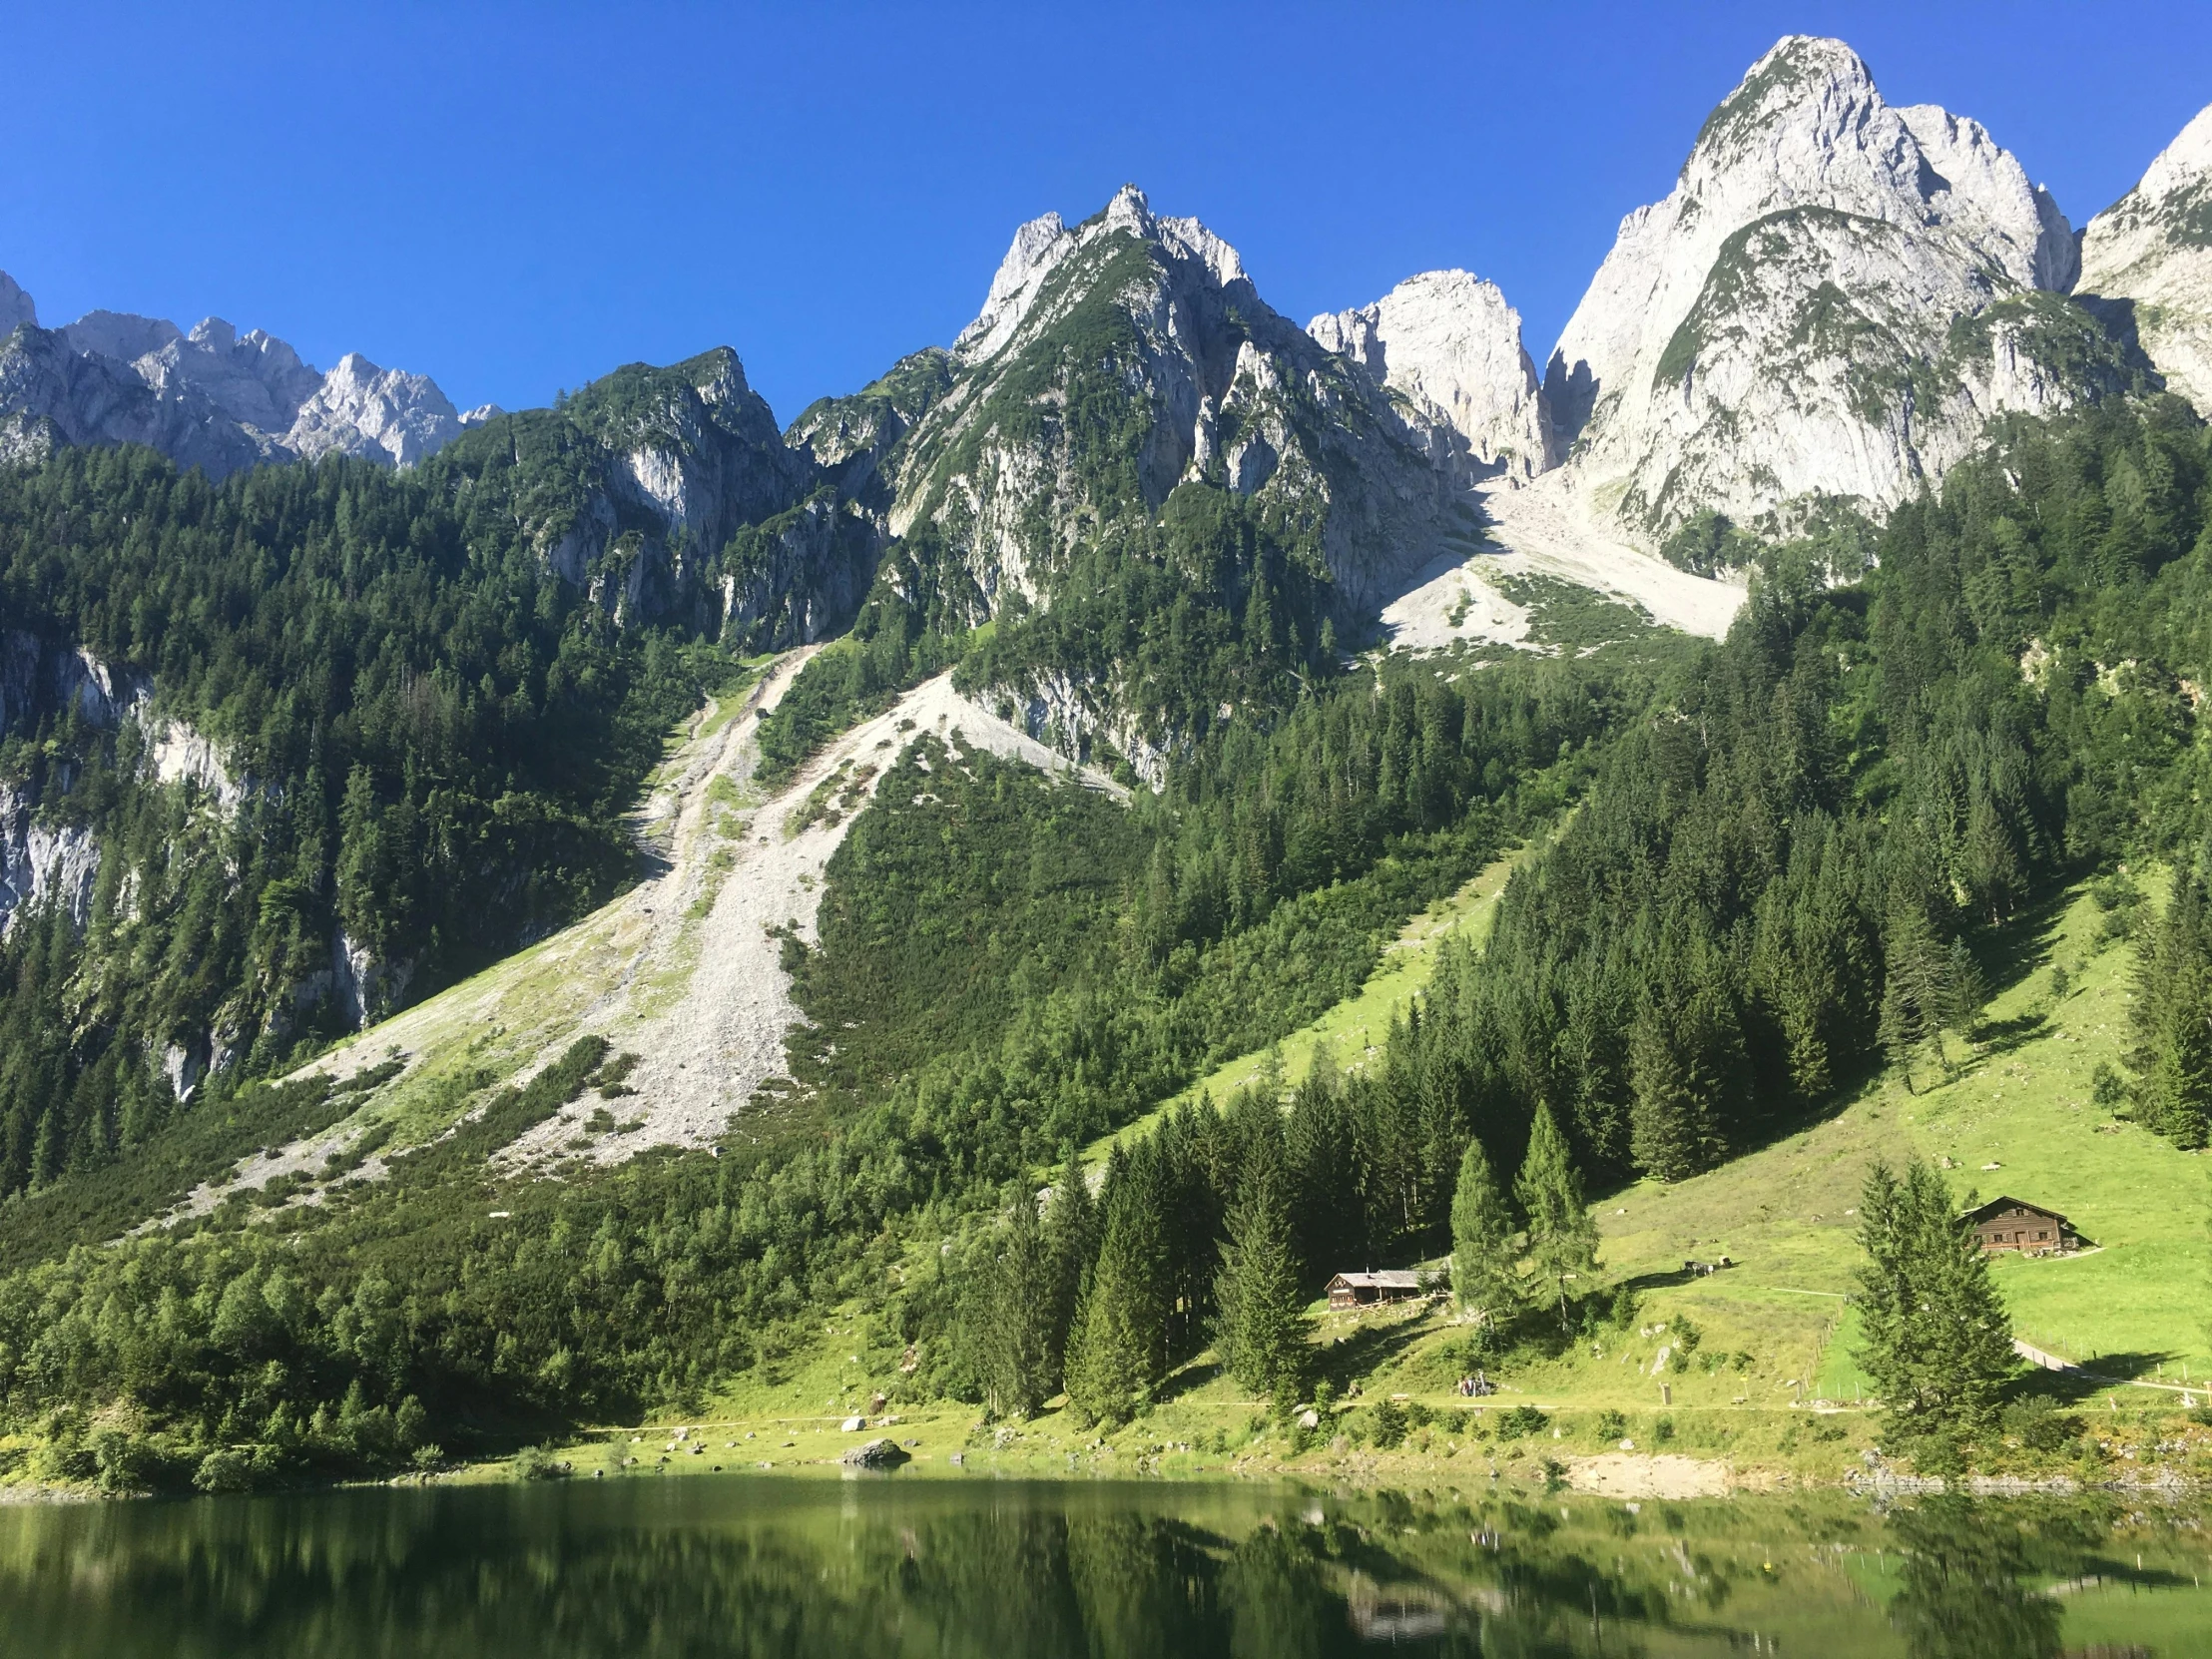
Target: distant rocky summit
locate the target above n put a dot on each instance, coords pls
(211, 398)
(1449, 342)
(2148, 259)
(1832, 301)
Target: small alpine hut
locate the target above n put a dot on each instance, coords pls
(1365, 1290)
(2016, 1224)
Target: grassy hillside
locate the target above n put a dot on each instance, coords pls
(1769, 1334)
(1348, 1035)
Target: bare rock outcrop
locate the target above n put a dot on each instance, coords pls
(1833, 300)
(1447, 341)
(2149, 256)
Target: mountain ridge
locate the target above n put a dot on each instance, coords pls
(212, 397)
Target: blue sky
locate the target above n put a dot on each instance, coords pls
(516, 198)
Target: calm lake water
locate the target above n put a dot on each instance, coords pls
(1004, 1569)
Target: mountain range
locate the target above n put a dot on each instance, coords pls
(872, 810)
(212, 397)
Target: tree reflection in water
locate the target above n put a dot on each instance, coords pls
(1005, 1571)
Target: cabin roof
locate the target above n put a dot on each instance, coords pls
(1389, 1279)
(1983, 1212)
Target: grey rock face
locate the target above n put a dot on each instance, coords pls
(51, 394)
(2150, 256)
(373, 413)
(43, 864)
(15, 306)
(211, 398)
(1447, 341)
(857, 440)
(1780, 326)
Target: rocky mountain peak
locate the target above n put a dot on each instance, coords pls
(2150, 256)
(214, 399)
(1817, 244)
(1150, 326)
(383, 414)
(2183, 166)
(15, 306)
(1448, 341)
(1043, 242)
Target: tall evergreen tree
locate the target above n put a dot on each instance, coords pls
(1120, 1349)
(2172, 1018)
(1071, 1241)
(1008, 1316)
(1912, 987)
(1482, 1241)
(1562, 1238)
(1262, 1330)
(1935, 1336)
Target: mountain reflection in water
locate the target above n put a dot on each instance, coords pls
(1004, 1570)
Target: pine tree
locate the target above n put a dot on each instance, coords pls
(1562, 1238)
(1017, 1336)
(1962, 991)
(1071, 1240)
(1120, 1353)
(1669, 1122)
(1483, 1242)
(1262, 1330)
(2172, 1018)
(1935, 1336)
(1912, 988)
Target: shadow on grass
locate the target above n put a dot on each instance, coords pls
(2099, 1376)
(1368, 1348)
(1191, 1377)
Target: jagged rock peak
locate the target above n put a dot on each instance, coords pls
(381, 414)
(1808, 122)
(15, 306)
(2152, 252)
(1448, 340)
(1040, 245)
(1818, 243)
(214, 399)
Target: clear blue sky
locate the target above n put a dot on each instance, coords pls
(516, 198)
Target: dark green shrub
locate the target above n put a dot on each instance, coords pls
(1520, 1420)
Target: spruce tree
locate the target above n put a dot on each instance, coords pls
(2172, 1018)
(1562, 1238)
(1009, 1315)
(1262, 1330)
(1121, 1351)
(1482, 1241)
(1935, 1336)
(1668, 1120)
(1914, 1002)
(1962, 991)
(1071, 1240)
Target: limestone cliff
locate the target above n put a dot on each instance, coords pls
(1832, 301)
(2148, 258)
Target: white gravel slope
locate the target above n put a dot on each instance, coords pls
(1544, 529)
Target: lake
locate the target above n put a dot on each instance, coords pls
(799, 1567)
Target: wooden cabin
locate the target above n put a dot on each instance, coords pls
(2016, 1224)
(1365, 1290)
